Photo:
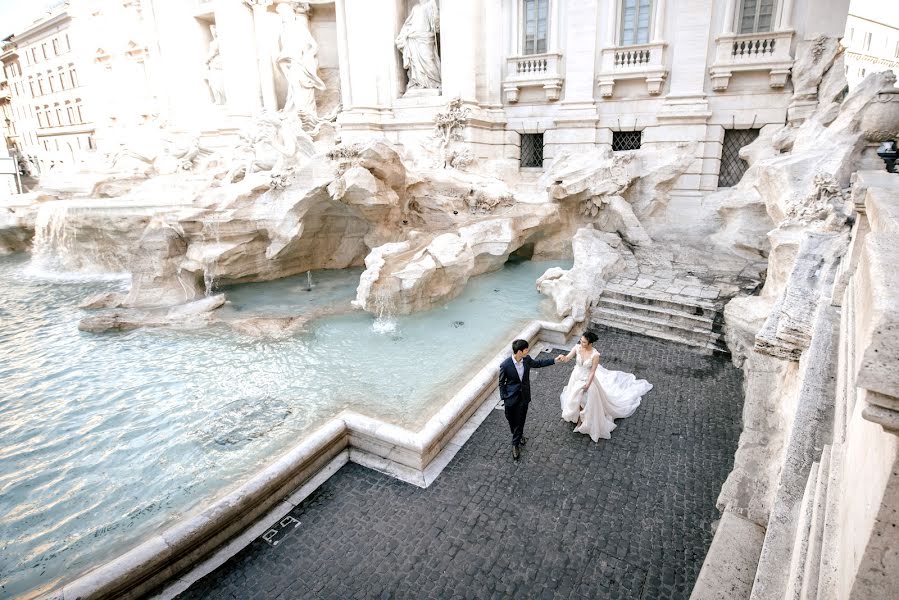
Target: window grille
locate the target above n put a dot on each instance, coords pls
(732, 166)
(536, 17)
(635, 18)
(756, 16)
(626, 140)
(531, 150)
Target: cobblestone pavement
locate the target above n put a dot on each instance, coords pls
(625, 518)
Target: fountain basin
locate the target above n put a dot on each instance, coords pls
(112, 438)
(415, 457)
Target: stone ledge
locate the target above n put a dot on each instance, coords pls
(415, 457)
(729, 567)
(877, 335)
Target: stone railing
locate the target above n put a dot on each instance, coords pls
(752, 52)
(643, 61)
(533, 70)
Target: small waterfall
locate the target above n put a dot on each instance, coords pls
(73, 243)
(308, 281)
(385, 321)
(211, 232)
(51, 232)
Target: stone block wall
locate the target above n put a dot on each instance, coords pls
(811, 510)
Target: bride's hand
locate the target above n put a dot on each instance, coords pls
(585, 388)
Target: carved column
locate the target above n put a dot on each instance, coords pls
(554, 30)
(237, 45)
(461, 38)
(263, 54)
(786, 16)
(658, 27)
(611, 23)
(368, 29)
(343, 54)
(729, 9)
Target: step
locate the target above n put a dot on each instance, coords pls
(685, 304)
(659, 312)
(812, 567)
(702, 347)
(801, 540)
(700, 334)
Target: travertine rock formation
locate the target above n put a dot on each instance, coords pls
(597, 258)
(15, 232)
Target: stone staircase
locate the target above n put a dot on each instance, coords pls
(688, 319)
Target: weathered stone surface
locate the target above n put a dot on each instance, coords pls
(269, 327)
(585, 180)
(103, 300)
(744, 317)
(728, 572)
(810, 426)
(15, 234)
(814, 57)
(878, 341)
(576, 290)
(417, 278)
(425, 270)
(787, 330)
(769, 392)
(157, 276)
(189, 315)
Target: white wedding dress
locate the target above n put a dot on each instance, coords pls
(611, 395)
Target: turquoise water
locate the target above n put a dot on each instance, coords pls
(108, 438)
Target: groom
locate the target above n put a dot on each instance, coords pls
(515, 389)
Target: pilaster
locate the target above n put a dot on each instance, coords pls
(237, 45)
(461, 23)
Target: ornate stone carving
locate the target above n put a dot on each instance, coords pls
(417, 41)
(215, 78)
(297, 59)
(448, 126)
(275, 143)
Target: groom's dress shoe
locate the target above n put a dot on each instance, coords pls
(515, 452)
(523, 441)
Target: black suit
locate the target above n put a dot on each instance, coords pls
(516, 392)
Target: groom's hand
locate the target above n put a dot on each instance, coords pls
(559, 358)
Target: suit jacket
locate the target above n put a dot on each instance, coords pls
(514, 390)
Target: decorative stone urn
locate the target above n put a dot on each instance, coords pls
(881, 119)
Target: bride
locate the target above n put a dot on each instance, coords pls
(595, 396)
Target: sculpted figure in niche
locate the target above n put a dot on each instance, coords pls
(297, 58)
(418, 43)
(215, 78)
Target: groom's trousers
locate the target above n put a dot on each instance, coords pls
(516, 415)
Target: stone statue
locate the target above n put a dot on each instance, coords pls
(215, 77)
(417, 41)
(275, 143)
(297, 58)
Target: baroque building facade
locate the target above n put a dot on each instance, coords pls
(50, 126)
(872, 45)
(539, 77)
